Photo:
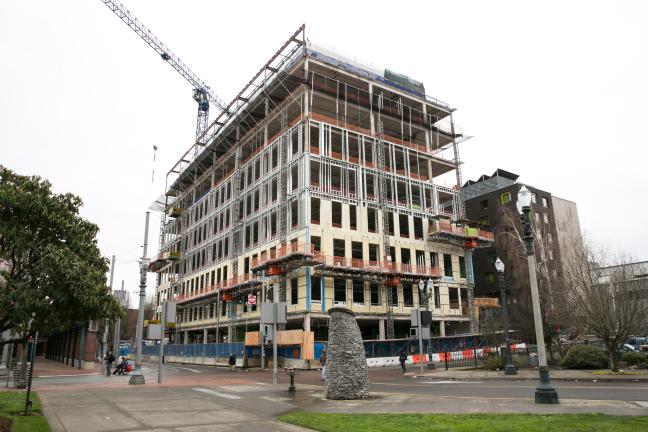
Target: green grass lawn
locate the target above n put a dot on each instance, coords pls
(12, 404)
(465, 423)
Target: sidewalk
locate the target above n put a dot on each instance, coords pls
(49, 368)
(255, 407)
(527, 375)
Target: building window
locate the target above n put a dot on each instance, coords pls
(339, 290)
(505, 197)
(490, 278)
(353, 213)
(371, 220)
(434, 259)
(447, 265)
(316, 289)
(462, 267)
(534, 198)
(373, 252)
(545, 216)
(545, 202)
(408, 295)
(483, 205)
(316, 241)
(294, 296)
(537, 218)
(437, 296)
(550, 252)
(358, 291)
(356, 250)
(406, 256)
(418, 228)
(375, 294)
(315, 210)
(339, 249)
(394, 295)
(403, 224)
(336, 214)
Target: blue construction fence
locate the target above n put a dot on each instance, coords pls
(196, 350)
(373, 348)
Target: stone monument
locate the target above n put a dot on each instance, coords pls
(346, 365)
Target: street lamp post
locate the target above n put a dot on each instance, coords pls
(509, 368)
(425, 289)
(545, 392)
(138, 375)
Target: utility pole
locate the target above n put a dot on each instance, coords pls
(261, 337)
(138, 376)
(275, 298)
(110, 288)
(162, 328)
(117, 329)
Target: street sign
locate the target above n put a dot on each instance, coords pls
(251, 299)
(273, 312)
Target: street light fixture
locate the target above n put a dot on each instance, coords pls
(545, 392)
(509, 368)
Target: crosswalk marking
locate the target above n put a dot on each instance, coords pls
(215, 393)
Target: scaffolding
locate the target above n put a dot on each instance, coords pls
(297, 136)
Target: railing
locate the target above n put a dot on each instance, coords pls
(196, 350)
(222, 286)
(375, 266)
(283, 252)
(450, 228)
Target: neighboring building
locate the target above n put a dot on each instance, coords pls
(288, 187)
(489, 199)
(634, 277)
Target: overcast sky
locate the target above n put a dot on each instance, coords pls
(556, 92)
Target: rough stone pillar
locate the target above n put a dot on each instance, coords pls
(381, 329)
(442, 328)
(307, 322)
(346, 365)
(186, 338)
(205, 334)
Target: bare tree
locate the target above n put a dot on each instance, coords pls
(556, 315)
(604, 295)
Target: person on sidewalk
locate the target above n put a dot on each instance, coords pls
(323, 363)
(110, 358)
(402, 359)
(232, 362)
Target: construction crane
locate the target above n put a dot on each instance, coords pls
(202, 94)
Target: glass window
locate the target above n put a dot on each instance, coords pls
(462, 267)
(545, 202)
(483, 205)
(315, 210)
(447, 265)
(294, 296)
(316, 289)
(339, 290)
(408, 295)
(353, 213)
(375, 294)
(358, 291)
(505, 197)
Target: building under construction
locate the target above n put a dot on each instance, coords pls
(316, 186)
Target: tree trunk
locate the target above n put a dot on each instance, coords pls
(613, 362)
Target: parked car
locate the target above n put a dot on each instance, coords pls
(627, 348)
(637, 342)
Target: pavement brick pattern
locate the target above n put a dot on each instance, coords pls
(346, 370)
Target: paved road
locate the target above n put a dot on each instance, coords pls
(388, 380)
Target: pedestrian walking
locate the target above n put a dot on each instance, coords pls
(323, 363)
(232, 362)
(402, 359)
(110, 358)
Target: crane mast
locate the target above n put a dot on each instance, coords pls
(202, 94)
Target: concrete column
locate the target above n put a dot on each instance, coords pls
(381, 329)
(185, 337)
(307, 322)
(205, 333)
(442, 328)
(5, 354)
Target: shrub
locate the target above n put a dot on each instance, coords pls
(493, 363)
(585, 357)
(633, 358)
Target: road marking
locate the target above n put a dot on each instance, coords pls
(642, 403)
(186, 368)
(215, 393)
(242, 388)
(451, 382)
(63, 376)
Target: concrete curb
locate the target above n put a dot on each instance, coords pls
(516, 378)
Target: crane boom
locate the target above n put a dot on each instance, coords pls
(202, 93)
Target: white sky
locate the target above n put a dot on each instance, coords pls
(554, 91)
